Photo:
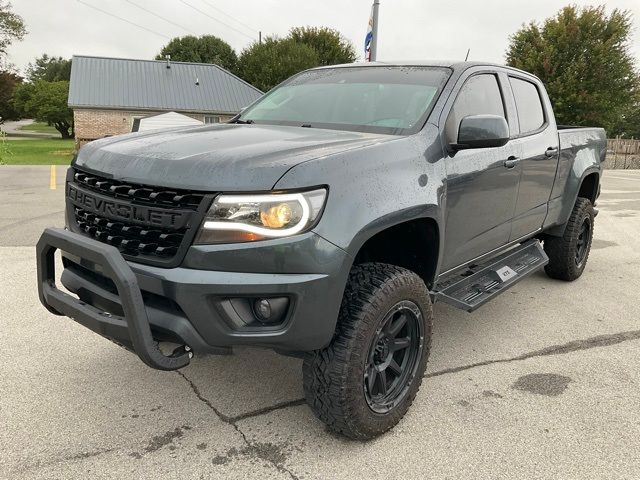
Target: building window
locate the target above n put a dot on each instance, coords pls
(211, 119)
(135, 122)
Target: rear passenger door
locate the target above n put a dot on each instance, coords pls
(537, 142)
(482, 186)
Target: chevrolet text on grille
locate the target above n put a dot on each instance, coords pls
(119, 210)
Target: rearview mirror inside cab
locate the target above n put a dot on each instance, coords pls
(482, 131)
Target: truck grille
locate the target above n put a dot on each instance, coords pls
(146, 223)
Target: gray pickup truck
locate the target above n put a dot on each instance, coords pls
(323, 222)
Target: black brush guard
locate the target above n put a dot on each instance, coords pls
(131, 330)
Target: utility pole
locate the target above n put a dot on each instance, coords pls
(374, 40)
(260, 37)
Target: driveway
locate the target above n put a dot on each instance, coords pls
(12, 129)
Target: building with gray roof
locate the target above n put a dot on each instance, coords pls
(108, 95)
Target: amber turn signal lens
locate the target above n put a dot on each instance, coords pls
(277, 216)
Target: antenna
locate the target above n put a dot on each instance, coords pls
(467, 57)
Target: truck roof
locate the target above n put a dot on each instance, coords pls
(455, 65)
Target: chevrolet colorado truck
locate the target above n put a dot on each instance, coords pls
(323, 222)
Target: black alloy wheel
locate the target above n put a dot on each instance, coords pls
(393, 357)
(583, 242)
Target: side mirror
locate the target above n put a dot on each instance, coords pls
(482, 131)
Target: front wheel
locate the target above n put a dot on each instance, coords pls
(363, 383)
(568, 254)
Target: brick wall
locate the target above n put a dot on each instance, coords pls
(93, 124)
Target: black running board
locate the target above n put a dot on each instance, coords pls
(480, 283)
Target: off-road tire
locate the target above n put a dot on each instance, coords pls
(333, 377)
(562, 250)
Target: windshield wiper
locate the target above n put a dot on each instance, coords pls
(244, 122)
(306, 125)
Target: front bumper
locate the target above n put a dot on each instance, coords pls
(138, 305)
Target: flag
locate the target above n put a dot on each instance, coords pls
(368, 39)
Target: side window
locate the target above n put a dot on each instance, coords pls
(480, 95)
(528, 104)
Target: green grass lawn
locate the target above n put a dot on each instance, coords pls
(38, 152)
(40, 128)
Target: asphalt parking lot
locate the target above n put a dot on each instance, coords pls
(543, 382)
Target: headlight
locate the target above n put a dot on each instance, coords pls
(246, 218)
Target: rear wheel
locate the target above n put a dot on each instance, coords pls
(568, 254)
(363, 383)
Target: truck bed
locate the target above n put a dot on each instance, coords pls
(590, 141)
(582, 151)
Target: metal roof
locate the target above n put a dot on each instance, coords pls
(99, 82)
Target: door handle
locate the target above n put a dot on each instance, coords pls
(551, 152)
(511, 162)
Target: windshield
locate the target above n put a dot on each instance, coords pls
(388, 100)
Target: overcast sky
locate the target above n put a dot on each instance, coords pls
(409, 29)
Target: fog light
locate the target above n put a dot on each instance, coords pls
(262, 307)
(270, 310)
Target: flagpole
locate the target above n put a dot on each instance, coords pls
(374, 41)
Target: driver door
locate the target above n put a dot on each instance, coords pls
(482, 186)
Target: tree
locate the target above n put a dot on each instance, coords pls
(46, 102)
(204, 49)
(583, 57)
(49, 69)
(332, 48)
(11, 27)
(630, 122)
(9, 80)
(266, 64)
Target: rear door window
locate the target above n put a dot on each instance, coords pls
(480, 95)
(528, 104)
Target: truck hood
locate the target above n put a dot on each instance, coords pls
(223, 157)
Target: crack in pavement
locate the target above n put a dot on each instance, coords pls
(605, 340)
(265, 410)
(95, 453)
(254, 449)
(39, 464)
(573, 346)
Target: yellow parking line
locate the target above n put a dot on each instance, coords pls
(52, 178)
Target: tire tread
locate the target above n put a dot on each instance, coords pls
(561, 250)
(325, 372)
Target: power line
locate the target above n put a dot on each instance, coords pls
(123, 19)
(229, 16)
(161, 17)
(219, 21)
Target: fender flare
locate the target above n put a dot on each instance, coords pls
(419, 212)
(558, 230)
